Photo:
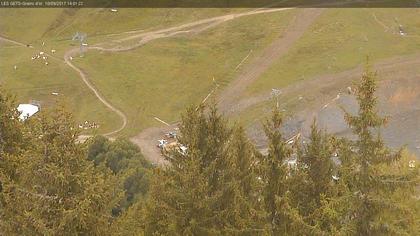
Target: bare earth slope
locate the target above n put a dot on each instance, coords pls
(147, 138)
(277, 49)
(322, 95)
(323, 98)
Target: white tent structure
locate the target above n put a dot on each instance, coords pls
(27, 110)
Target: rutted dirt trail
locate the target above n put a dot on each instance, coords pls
(192, 27)
(322, 81)
(323, 97)
(276, 50)
(11, 41)
(228, 99)
(199, 25)
(123, 117)
(115, 46)
(147, 139)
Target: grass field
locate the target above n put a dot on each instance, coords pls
(159, 79)
(339, 40)
(33, 80)
(57, 26)
(61, 24)
(162, 78)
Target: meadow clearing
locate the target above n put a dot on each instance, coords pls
(339, 40)
(163, 77)
(147, 75)
(53, 30)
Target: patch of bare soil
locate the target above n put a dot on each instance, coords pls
(147, 141)
(261, 63)
(326, 96)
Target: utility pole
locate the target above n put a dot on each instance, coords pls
(275, 93)
(81, 37)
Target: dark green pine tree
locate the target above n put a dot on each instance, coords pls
(58, 190)
(372, 210)
(282, 217)
(243, 212)
(208, 190)
(12, 137)
(10, 143)
(11, 129)
(125, 160)
(314, 190)
(316, 161)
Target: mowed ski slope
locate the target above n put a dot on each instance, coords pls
(159, 79)
(153, 75)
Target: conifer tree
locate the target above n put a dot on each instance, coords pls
(12, 140)
(125, 160)
(317, 162)
(209, 189)
(314, 190)
(282, 217)
(243, 211)
(11, 146)
(59, 192)
(11, 133)
(363, 164)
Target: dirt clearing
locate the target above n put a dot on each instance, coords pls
(325, 96)
(261, 63)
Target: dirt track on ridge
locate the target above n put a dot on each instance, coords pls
(102, 99)
(322, 87)
(193, 27)
(261, 63)
(11, 41)
(147, 138)
(322, 97)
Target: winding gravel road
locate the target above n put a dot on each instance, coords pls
(228, 99)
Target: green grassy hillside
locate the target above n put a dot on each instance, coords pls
(339, 40)
(163, 77)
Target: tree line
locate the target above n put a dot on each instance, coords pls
(52, 185)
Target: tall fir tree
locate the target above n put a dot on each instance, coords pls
(244, 212)
(12, 136)
(58, 191)
(209, 189)
(12, 145)
(11, 129)
(371, 188)
(282, 217)
(314, 189)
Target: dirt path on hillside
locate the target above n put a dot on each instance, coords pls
(324, 96)
(2, 38)
(102, 99)
(143, 38)
(261, 63)
(318, 82)
(193, 27)
(147, 139)
(278, 48)
(83, 76)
